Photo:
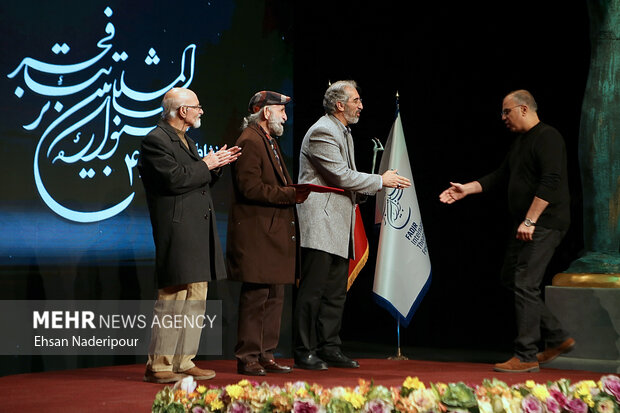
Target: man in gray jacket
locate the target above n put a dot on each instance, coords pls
(327, 222)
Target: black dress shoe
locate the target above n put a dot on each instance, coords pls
(337, 359)
(252, 368)
(271, 366)
(310, 362)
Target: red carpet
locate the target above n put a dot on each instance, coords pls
(121, 389)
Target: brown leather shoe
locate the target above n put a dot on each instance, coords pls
(271, 366)
(199, 374)
(160, 377)
(514, 365)
(252, 368)
(553, 352)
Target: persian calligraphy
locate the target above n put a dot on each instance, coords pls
(88, 110)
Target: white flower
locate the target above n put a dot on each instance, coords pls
(188, 384)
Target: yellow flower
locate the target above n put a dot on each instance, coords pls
(234, 390)
(582, 391)
(530, 384)
(441, 387)
(216, 405)
(413, 383)
(356, 399)
(301, 392)
(243, 383)
(201, 389)
(540, 392)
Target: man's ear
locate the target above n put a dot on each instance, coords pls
(266, 112)
(182, 112)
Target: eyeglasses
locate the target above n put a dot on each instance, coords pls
(197, 107)
(506, 111)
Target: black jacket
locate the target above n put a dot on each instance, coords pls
(177, 184)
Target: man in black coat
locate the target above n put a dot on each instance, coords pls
(187, 248)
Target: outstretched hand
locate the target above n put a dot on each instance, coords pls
(454, 193)
(392, 179)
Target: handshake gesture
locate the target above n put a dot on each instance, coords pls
(392, 179)
(222, 157)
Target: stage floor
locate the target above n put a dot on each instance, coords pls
(121, 389)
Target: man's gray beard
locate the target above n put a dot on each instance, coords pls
(196, 124)
(351, 120)
(275, 127)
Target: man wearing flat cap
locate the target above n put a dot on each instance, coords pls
(262, 245)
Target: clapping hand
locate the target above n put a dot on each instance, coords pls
(222, 157)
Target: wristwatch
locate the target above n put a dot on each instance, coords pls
(529, 223)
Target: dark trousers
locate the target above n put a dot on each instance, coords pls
(523, 272)
(320, 302)
(260, 316)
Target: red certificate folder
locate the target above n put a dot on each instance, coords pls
(319, 188)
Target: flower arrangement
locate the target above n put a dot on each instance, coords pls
(413, 396)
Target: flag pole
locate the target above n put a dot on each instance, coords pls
(399, 355)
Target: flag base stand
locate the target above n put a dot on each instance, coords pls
(398, 356)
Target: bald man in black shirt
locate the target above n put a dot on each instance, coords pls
(535, 176)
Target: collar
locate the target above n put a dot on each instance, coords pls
(345, 129)
(269, 137)
(178, 131)
(168, 127)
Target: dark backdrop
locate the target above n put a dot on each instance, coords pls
(451, 64)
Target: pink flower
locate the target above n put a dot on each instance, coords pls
(552, 405)
(377, 406)
(305, 406)
(577, 406)
(611, 386)
(559, 397)
(237, 407)
(531, 404)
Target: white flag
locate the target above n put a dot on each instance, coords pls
(403, 271)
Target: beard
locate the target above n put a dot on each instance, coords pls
(352, 116)
(196, 123)
(276, 127)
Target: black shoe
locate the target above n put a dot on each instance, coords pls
(335, 358)
(310, 362)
